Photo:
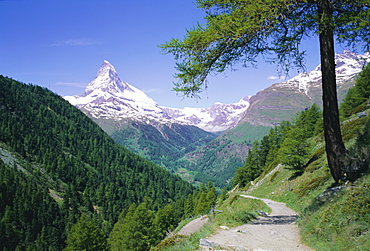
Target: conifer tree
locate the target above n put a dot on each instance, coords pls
(358, 94)
(134, 231)
(164, 222)
(85, 235)
(294, 149)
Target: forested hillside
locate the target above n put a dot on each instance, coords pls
(62, 177)
(163, 144)
(217, 160)
(286, 144)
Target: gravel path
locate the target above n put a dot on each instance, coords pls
(193, 226)
(275, 232)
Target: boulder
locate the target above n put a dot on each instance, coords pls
(329, 194)
(361, 114)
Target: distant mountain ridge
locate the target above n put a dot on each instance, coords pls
(282, 100)
(108, 97)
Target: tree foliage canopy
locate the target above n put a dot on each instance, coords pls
(238, 31)
(85, 235)
(241, 30)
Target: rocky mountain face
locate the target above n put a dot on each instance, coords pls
(107, 97)
(282, 100)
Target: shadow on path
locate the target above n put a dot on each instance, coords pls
(275, 220)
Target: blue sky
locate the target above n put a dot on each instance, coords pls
(61, 44)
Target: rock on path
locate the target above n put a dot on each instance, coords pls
(275, 232)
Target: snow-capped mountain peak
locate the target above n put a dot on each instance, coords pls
(282, 100)
(108, 97)
(107, 80)
(348, 64)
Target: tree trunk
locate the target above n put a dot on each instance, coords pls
(335, 148)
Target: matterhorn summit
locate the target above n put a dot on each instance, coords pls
(108, 97)
(107, 80)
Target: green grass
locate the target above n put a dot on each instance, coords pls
(238, 210)
(177, 242)
(343, 222)
(245, 132)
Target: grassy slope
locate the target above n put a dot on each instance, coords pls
(341, 223)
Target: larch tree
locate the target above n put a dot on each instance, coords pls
(241, 31)
(85, 235)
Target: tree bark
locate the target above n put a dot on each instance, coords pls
(335, 148)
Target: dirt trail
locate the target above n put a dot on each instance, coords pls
(275, 232)
(193, 226)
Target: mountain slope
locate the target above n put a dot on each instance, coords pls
(218, 160)
(163, 144)
(282, 100)
(73, 160)
(332, 216)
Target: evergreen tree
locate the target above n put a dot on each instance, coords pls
(211, 196)
(165, 221)
(85, 235)
(358, 94)
(135, 230)
(286, 143)
(294, 149)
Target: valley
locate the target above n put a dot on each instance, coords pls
(203, 144)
